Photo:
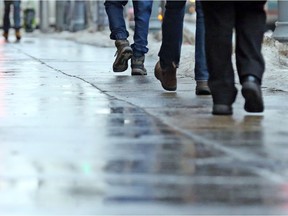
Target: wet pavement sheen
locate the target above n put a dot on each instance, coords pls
(77, 138)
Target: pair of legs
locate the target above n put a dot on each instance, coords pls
(170, 51)
(119, 33)
(16, 17)
(248, 19)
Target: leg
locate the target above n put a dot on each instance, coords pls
(114, 10)
(142, 12)
(17, 18)
(219, 23)
(200, 71)
(17, 15)
(170, 51)
(6, 18)
(249, 38)
(250, 62)
(172, 33)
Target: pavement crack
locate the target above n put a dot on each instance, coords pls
(62, 72)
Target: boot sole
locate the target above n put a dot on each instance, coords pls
(168, 88)
(122, 61)
(138, 72)
(253, 97)
(221, 109)
(202, 91)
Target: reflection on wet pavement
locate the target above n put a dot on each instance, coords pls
(76, 139)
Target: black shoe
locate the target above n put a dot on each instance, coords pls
(222, 109)
(166, 76)
(251, 91)
(123, 54)
(137, 65)
(202, 88)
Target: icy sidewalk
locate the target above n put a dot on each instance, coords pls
(78, 139)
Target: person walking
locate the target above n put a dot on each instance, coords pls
(200, 70)
(16, 18)
(248, 18)
(136, 52)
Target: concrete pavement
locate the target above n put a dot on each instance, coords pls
(78, 139)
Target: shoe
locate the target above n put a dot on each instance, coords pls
(137, 65)
(222, 109)
(123, 54)
(18, 35)
(202, 88)
(251, 91)
(166, 76)
(5, 35)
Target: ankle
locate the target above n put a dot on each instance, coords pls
(121, 43)
(250, 78)
(164, 65)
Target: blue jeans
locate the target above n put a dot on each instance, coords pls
(142, 13)
(201, 70)
(16, 15)
(172, 33)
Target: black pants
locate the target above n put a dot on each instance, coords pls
(248, 19)
(172, 33)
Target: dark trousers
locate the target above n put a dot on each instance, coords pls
(16, 14)
(248, 18)
(172, 33)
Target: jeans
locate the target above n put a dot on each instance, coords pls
(201, 70)
(172, 33)
(16, 15)
(142, 13)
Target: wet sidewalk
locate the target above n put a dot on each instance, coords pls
(78, 139)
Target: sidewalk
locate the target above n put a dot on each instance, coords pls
(79, 139)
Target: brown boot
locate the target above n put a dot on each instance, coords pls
(202, 87)
(5, 35)
(166, 76)
(137, 65)
(123, 54)
(18, 35)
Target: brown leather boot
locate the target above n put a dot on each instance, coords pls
(137, 65)
(166, 76)
(5, 35)
(18, 35)
(123, 54)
